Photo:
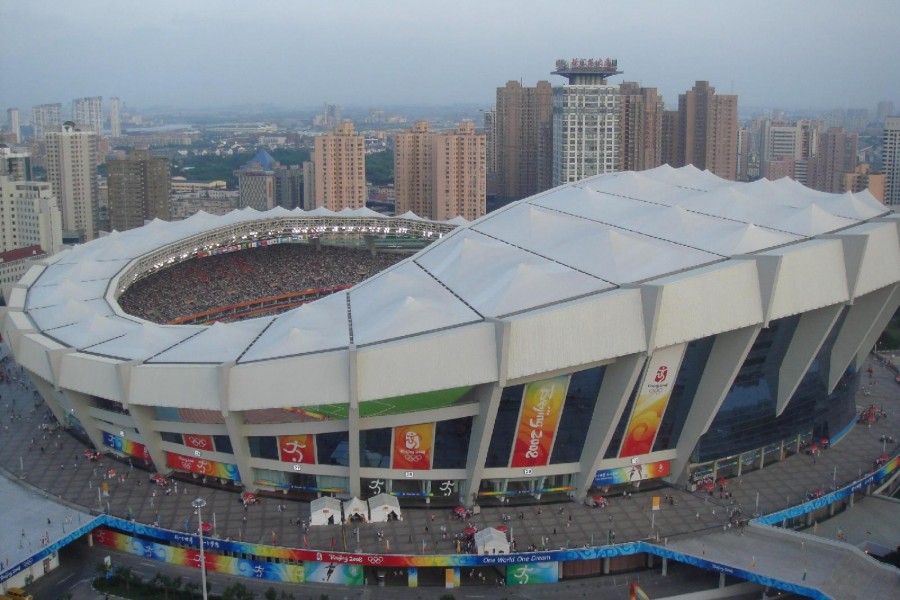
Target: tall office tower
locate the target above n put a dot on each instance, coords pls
(440, 175)
(890, 160)
(72, 169)
(490, 141)
(796, 140)
(88, 112)
(708, 129)
(340, 169)
(115, 119)
(669, 139)
(289, 186)
(29, 215)
(743, 157)
(642, 121)
(330, 117)
(524, 144)
(835, 158)
(15, 165)
(586, 133)
(44, 118)
(883, 110)
(12, 119)
(856, 119)
(256, 182)
(138, 188)
(413, 170)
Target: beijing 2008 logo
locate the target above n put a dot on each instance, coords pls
(661, 374)
(412, 440)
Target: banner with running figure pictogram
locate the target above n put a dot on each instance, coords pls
(542, 404)
(653, 397)
(297, 448)
(413, 446)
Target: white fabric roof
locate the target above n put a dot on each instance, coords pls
(583, 238)
(326, 502)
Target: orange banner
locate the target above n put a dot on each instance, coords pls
(297, 448)
(200, 442)
(413, 445)
(542, 404)
(655, 390)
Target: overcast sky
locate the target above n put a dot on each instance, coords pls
(373, 53)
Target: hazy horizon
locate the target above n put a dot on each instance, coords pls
(296, 56)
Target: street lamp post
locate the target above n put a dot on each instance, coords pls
(199, 503)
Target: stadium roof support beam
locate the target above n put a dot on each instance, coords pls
(143, 417)
(868, 312)
(618, 383)
(811, 332)
(81, 404)
(725, 360)
(483, 424)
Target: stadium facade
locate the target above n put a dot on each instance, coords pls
(625, 327)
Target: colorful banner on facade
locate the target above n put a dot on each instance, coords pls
(297, 448)
(413, 447)
(125, 446)
(542, 404)
(201, 466)
(188, 557)
(332, 572)
(632, 473)
(547, 572)
(653, 397)
(199, 442)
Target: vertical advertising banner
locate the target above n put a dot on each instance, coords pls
(413, 447)
(297, 448)
(542, 404)
(653, 397)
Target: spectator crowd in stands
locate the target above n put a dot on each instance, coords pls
(201, 284)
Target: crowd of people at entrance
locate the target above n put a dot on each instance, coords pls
(202, 284)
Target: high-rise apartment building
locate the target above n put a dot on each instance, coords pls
(440, 175)
(339, 160)
(670, 142)
(413, 178)
(586, 120)
(138, 188)
(88, 113)
(72, 170)
(835, 157)
(115, 118)
(44, 118)
(490, 144)
(15, 165)
(641, 127)
(890, 160)
(797, 140)
(289, 186)
(883, 110)
(12, 121)
(256, 182)
(29, 215)
(708, 130)
(524, 143)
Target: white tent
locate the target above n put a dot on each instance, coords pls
(491, 541)
(325, 511)
(354, 507)
(382, 506)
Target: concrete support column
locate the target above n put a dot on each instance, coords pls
(606, 565)
(143, 417)
(721, 580)
(665, 567)
(618, 382)
(483, 424)
(728, 353)
(869, 312)
(649, 561)
(353, 446)
(370, 243)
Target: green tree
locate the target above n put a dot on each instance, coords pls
(192, 587)
(271, 594)
(237, 591)
(380, 167)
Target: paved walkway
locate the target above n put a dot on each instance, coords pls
(54, 462)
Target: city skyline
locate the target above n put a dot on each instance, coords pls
(802, 54)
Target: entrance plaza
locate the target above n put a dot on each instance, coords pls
(63, 489)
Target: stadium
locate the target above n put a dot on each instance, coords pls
(666, 324)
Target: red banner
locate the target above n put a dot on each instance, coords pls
(200, 442)
(297, 448)
(413, 445)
